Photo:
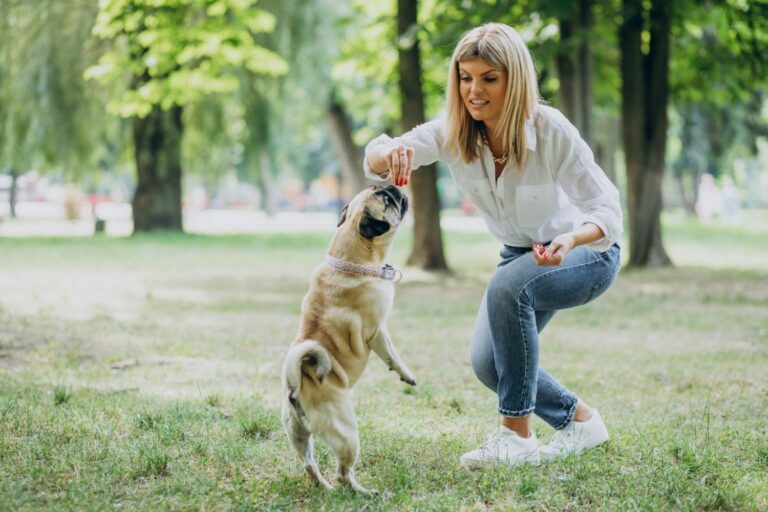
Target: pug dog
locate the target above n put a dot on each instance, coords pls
(343, 319)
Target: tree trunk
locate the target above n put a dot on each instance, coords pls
(348, 154)
(644, 126)
(262, 183)
(157, 200)
(575, 66)
(427, 251)
(606, 141)
(13, 192)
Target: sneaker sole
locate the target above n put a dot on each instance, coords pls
(531, 459)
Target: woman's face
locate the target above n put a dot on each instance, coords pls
(483, 88)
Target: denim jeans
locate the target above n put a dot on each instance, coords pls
(519, 301)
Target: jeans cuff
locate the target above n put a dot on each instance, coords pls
(568, 417)
(516, 414)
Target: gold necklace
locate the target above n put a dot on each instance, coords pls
(500, 160)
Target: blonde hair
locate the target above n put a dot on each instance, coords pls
(502, 47)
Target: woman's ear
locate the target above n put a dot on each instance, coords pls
(343, 215)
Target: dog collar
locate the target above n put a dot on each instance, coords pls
(387, 272)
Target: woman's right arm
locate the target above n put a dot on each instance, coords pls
(396, 158)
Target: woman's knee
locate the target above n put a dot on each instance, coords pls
(481, 354)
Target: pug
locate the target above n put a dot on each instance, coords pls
(343, 319)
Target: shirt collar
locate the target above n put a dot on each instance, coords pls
(530, 133)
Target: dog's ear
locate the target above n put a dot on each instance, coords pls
(371, 227)
(403, 205)
(343, 215)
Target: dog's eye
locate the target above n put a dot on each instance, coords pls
(386, 199)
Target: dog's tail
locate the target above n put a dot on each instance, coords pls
(308, 358)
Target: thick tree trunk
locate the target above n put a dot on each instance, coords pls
(348, 154)
(13, 192)
(644, 126)
(575, 67)
(157, 200)
(427, 251)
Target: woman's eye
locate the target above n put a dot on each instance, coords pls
(466, 79)
(490, 79)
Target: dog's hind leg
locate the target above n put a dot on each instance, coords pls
(301, 439)
(342, 436)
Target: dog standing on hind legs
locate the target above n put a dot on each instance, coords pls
(343, 318)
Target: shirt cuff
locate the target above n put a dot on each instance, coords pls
(604, 243)
(383, 138)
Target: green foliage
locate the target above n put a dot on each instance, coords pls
(49, 117)
(176, 52)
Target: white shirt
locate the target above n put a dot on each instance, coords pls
(559, 188)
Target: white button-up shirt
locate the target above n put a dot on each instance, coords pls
(559, 188)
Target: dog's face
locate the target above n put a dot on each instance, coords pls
(375, 212)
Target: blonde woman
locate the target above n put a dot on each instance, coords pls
(541, 194)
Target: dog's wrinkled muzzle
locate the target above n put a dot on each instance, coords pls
(397, 197)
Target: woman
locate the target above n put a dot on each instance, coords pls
(536, 184)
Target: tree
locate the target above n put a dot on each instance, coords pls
(645, 85)
(718, 71)
(167, 54)
(575, 65)
(50, 119)
(427, 251)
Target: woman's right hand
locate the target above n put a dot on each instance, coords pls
(400, 163)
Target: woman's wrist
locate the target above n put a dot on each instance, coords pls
(586, 234)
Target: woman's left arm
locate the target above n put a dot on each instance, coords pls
(586, 186)
(561, 245)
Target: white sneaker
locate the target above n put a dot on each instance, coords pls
(503, 447)
(576, 437)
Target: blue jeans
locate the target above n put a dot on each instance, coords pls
(519, 301)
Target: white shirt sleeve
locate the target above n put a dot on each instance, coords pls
(586, 185)
(425, 139)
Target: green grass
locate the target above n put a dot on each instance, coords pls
(143, 374)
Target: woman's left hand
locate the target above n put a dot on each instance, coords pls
(555, 252)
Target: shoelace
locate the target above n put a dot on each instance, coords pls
(492, 442)
(563, 439)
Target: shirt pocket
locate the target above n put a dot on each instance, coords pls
(479, 192)
(535, 204)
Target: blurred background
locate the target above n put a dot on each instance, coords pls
(241, 116)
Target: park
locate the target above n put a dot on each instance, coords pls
(172, 173)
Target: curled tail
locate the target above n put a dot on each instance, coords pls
(308, 358)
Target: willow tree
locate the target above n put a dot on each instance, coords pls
(50, 118)
(164, 55)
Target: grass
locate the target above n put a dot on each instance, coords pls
(144, 373)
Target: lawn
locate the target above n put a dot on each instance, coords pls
(143, 374)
